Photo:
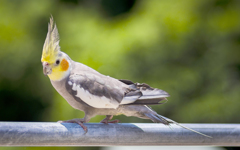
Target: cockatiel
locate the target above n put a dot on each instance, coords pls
(87, 90)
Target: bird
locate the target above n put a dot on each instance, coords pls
(87, 90)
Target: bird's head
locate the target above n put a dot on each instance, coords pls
(56, 64)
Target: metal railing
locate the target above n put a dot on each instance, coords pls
(121, 134)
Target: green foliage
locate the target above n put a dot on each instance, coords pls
(188, 48)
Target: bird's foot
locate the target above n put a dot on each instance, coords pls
(109, 117)
(78, 121)
(107, 121)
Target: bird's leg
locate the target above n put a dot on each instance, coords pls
(78, 121)
(109, 117)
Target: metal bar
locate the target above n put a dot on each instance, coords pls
(124, 134)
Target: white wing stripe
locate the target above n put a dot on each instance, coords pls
(152, 96)
(94, 101)
(130, 99)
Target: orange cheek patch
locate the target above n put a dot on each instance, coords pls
(64, 65)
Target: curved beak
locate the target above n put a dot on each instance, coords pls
(46, 68)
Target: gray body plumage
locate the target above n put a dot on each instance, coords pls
(96, 84)
(102, 86)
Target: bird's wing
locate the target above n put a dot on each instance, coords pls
(146, 94)
(96, 90)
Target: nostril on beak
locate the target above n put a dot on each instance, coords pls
(45, 64)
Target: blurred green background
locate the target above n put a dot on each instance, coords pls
(191, 49)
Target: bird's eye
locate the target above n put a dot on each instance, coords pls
(57, 62)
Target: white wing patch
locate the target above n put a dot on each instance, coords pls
(69, 82)
(152, 96)
(156, 93)
(129, 100)
(92, 100)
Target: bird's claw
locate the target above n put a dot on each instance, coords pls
(78, 121)
(107, 121)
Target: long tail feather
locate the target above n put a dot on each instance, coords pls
(174, 122)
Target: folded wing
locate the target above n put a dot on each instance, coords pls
(96, 91)
(144, 94)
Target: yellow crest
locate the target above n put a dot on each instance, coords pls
(51, 46)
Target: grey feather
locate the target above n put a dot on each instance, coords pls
(149, 95)
(94, 87)
(174, 122)
(156, 101)
(87, 81)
